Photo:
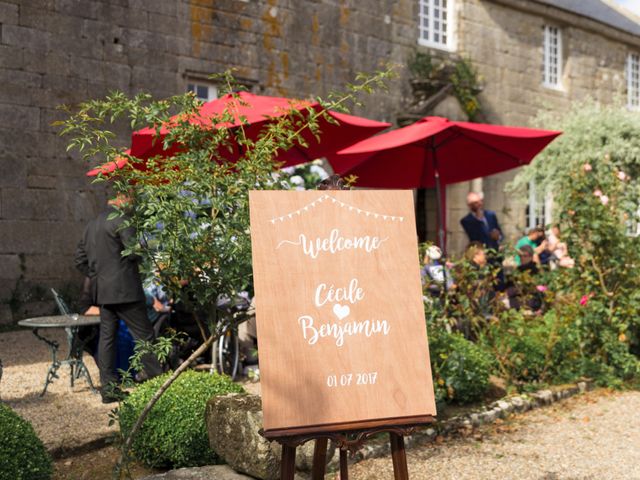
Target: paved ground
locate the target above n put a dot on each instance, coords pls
(65, 417)
(594, 436)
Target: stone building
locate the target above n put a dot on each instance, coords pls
(65, 51)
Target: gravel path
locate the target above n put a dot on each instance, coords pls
(594, 436)
(65, 417)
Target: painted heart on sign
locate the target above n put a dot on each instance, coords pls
(341, 311)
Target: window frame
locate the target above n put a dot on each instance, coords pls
(633, 92)
(546, 58)
(539, 207)
(211, 87)
(451, 30)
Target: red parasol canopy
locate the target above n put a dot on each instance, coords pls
(409, 157)
(253, 111)
(435, 151)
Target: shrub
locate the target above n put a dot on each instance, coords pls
(174, 434)
(461, 368)
(594, 174)
(22, 454)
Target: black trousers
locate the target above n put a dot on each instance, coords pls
(135, 317)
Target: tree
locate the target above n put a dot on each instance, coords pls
(192, 209)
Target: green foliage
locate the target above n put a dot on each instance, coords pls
(174, 434)
(191, 209)
(22, 454)
(589, 324)
(532, 348)
(594, 172)
(461, 368)
(193, 206)
(466, 88)
(440, 72)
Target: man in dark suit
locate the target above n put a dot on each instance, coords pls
(481, 225)
(118, 290)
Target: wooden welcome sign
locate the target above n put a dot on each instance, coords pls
(340, 318)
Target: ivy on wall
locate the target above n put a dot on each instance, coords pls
(430, 75)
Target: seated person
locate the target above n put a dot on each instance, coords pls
(535, 239)
(248, 338)
(435, 274)
(476, 255)
(560, 253)
(527, 262)
(523, 291)
(158, 305)
(480, 289)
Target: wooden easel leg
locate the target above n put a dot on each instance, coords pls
(319, 459)
(288, 464)
(399, 457)
(344, 471)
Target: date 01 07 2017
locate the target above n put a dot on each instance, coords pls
(347, 379)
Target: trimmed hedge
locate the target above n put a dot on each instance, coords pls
(22, 454)
(174, 433)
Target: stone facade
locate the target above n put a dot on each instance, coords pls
(65, 51)
(503, 38)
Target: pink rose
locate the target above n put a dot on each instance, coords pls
(584, 300)
(597, 193)
(542, 288)
(587, 167)
(604, 199)
(622, 176)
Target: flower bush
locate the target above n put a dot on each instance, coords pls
(586, 319)
(594, 171)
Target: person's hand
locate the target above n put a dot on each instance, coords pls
(495, 234)
(158, 306)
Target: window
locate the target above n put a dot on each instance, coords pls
(633, 81)
(539, 208)
(552, 57)
(205, 92)
(435, 27)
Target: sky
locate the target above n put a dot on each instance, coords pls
(633, 5)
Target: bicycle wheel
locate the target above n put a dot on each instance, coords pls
(228, 353)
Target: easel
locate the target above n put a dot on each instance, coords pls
(348, 438)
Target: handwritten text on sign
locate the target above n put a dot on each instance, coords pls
(341, 326)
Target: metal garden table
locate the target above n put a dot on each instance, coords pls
(71, 323)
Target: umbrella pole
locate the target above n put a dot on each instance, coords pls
(439, 212)
(439, 215)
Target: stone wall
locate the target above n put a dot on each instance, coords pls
(504, 40)
(66, 51)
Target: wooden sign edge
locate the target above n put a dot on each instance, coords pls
(347, 426)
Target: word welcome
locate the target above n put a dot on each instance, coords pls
(334, 243)
(338, 331)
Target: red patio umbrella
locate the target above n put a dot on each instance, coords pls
(253, 111)
(435, 151)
